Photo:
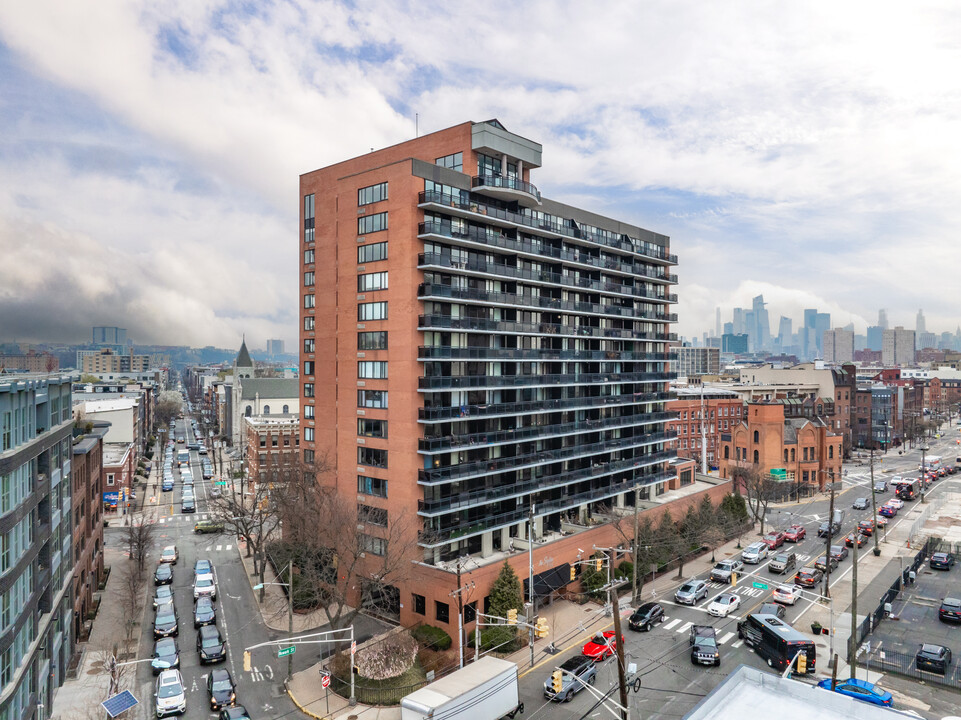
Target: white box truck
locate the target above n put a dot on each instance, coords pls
(484, 690)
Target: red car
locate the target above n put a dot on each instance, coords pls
(774, 540)
(601, 646)
(795, 533)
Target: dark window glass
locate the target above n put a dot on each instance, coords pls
(371, 223)
(372, 428)
(420, 604)
(454, 161)
(371, 253)
(371, 486)
(372, 457)
(370, 398)
(372, 340)
(372, 194)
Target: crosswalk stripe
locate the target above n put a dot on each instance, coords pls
(219, 548)
(737, 644)
(229, 547)
(726, 637)
(672, 623)
(684, 628)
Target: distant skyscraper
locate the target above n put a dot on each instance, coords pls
(275, 347)
(883, 319)
(822, 323)
(784, 331)
(762, 324)
(898, 347)
(728, 329)
(734, 343)
(875, 337)
(717, 322)
(838, 345)
(919, 324)
(808, 339)
(739, 321)
(109, 335)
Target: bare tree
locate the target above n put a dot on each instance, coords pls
(131, 597)
(169, 405)
(759, 491)
(138, 536)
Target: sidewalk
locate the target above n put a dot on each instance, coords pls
(89, 689)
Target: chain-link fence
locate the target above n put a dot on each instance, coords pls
(905, 664)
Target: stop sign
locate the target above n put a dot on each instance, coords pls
(325, 679)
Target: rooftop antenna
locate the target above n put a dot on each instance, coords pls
(416, 125)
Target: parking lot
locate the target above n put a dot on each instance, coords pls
(895, 641)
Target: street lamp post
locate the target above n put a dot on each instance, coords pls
(924, 469)
(290, 610)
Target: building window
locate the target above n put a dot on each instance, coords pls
(371, 223)
(308, 434)
(441, 611)
(370, 282)
(373, 545)
(308, 389)
(263, 441)
(266, 409)
(308, 456)
(372, 340)
(371, 370)
(309, 345)
(248, 411)
(757, 436)
(286, 409)
(830, 452)
(309, 323)
(372, 194)
(308, 301)
(372, 311)
(309, 279)
(309, 257)
(372, 457)
(371, 486)
(420, 604)
(756, 456)
(793, 456)
(110, 479)
(308, 218)
(372, 428)
(372, 399)
(455, 161)
(372, 515)
(308, 412)
(371, 253)
(727, 452)
(308, 367)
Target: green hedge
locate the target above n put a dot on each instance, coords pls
(432, 637)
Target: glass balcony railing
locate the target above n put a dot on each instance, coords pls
(432, 290)
(463, 471)
(445, 352)
(466, 500)
(506, 183)
(462, 412)
(460, 382)
(450, 443)
(490, 237)
(548, 226)
(429, 322)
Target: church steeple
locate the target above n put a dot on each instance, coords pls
(243, 361)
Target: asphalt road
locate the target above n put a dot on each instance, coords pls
(670, 685)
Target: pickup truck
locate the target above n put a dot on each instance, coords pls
(704, 648)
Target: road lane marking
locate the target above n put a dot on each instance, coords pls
(737, 644)
(672, 623)
(684, 628)
(228, 547)
(219, 548)
(725, 638)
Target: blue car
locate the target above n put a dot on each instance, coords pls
(860, 690)
(167, 486)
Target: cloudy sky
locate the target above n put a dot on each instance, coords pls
(150, 152)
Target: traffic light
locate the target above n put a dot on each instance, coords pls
(573, 573)
(557, 681)
(246, 660)
(802, 663)
(598, 564)
(541, 628)
(512, 616)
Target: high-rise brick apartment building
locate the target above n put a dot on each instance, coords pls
(470, 348)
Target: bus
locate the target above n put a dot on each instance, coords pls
(776, 641)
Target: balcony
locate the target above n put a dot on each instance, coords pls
(450, 443)
(470, 208)
(445, 352)
(461, 412)
(429, 322)
(426, 291)
(428, 261)
(465, 500)
(460, 382)
(508, 189)
(463, 471)
(485, 238)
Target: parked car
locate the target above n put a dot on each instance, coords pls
(933, 658)
(795, 533)
(950, 610)
(860, 504)
(880, 521)
(203, 567)
(204, 612)
(210, 645)
(205, 585)
(723, 570)
(896, 503)
(941, 561)
(771, 608)
(601, 646)
(163, 575)
(808, 577)
(859, 690)
(576, 673)
(754, 553)
(221, 689)
(162, 594)
(169, 555)
(774, 540)
(208, 526)
(887, 511)
(165, 621)
(822, 563)
(724, 604)
(646, 616)
(690, 592)
(166, 651)
(237, 712)
(170, 697)
(839, 552)
(786, 594)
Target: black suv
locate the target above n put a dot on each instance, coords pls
(221, 689)
(933, 658)
(950, 610)
(646, 616)
(941, 561)
(704, 649)
(210, 645)
(576, 672)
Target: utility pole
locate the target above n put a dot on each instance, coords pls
(924, 468)
(874, 509)
(827, 549)
(530, 572)
(853, 640)
(290, 617)
(618, 645)
(634, 574)
(459, 592)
